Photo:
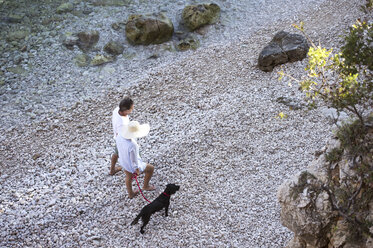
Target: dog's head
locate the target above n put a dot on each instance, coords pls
(172, 188)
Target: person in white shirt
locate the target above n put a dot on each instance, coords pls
(129, 157)
(119, 119)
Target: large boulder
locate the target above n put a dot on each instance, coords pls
(284, 47)
(196, 16)
(319, 203)
(149, 29)
(305, 208)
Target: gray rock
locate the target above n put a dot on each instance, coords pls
(291, 103)
(114, 48)
(13, 19)
(283, 48)
(333, 115)
(17, 70)
(187, 43)
(299, 210)
(87, 39)
(69, 40)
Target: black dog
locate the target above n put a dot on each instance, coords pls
(162, 201)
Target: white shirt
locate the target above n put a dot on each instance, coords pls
(128, 152)
(118, 121)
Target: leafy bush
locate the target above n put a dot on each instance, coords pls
(341, 80)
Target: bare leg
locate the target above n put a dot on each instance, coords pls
(148, 175)
(113, 168)
(131, 193)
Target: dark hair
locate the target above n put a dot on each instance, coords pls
(125, 104)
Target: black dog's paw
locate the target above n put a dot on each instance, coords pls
(142, 231)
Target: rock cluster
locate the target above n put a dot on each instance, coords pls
(158, 28)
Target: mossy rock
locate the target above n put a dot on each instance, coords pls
(65, 8)
(82, 60)
(13, 18)
(101, 59)
(187, 44)
(146, 30)
(196, 16)
(87, 39)
(114, 48)
(17, 35)
(113, 3)
(17, 70)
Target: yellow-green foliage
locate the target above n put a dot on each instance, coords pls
(342, 80)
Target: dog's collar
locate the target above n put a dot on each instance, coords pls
(166, 194)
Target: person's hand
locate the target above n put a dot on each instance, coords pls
(137, 171)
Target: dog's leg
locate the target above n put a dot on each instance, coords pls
(145, 221)
(166, 209)
(136, 219)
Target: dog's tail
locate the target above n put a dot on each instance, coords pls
(136, 219)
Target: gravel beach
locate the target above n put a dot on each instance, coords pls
(215, 131)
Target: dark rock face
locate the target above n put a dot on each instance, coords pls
(283, 48)
(146, 30)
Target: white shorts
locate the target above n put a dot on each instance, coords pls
(140, 163)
